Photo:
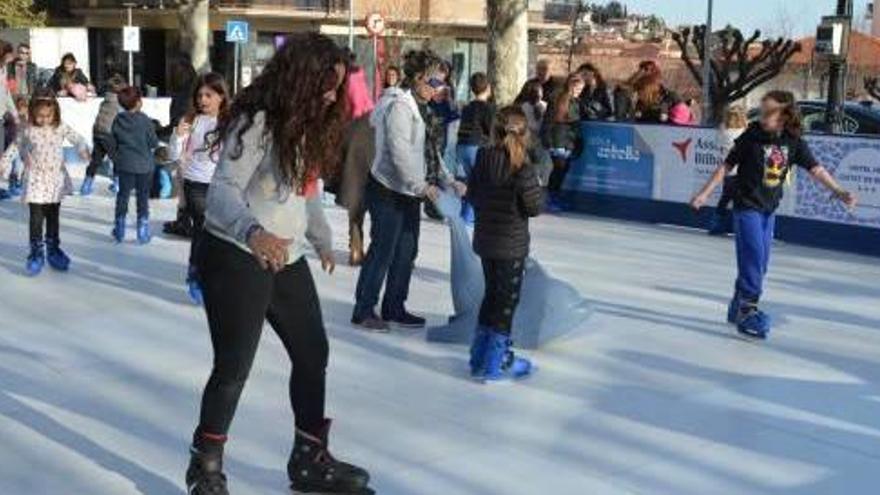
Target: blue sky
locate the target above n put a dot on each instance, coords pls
(766, 15)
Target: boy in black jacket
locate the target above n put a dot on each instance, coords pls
(505, 191)
(474, 131)
(136, 140)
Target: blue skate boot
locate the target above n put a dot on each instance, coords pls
(501, 362)
(119, 230)
(194, 288)
(478, 352)
(114, 186)
(36, 259)
(752, 322)
(733, 309)
(88, 186)
(4, 195)
(58, 260)
(143, 231)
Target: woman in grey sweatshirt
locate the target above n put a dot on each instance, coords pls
(263, 213)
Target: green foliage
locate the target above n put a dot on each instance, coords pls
(601, 14)
(22, 13)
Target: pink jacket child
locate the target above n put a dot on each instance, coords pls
(680, 114)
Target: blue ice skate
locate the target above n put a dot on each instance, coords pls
(58, 260)
(194, 288)
(119, 230)
(143, 231)
(753, 323)
(500, 361)
(478, 352)
(88, 186)
(36, 259)
(733, 310)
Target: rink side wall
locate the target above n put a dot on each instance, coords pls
(649, 173)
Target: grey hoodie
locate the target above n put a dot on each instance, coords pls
(400, 164)
(136, 141)
(247, 192)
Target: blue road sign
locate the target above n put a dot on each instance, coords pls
(237, 31)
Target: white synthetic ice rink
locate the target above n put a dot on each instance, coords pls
(101, 370)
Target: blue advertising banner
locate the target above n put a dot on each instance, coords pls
(615, 161)
(855, 162)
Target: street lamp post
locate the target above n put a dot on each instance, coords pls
(128, 7)
(836, 78)
(707, 67)
(351, 25)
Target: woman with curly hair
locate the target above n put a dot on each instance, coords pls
(280, 136)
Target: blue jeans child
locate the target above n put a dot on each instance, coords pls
(754, 238)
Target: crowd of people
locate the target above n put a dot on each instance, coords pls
(250, 168)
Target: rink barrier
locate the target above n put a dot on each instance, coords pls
(648, 173)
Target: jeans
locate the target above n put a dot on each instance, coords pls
(239, 297)
(467, 160)
(754, 237)
(101, 146)
(394, 244)
(44, 213)
(196, 194)
(140, 184)
(503, 284)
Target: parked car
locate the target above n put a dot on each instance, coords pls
(859, 117)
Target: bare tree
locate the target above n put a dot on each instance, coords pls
(736, 67)
(194, 32)
(508, 47)
(872, 86)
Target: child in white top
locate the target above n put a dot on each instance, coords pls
(46, 180)
(192, 145)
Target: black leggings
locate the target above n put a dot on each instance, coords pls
(503, 284)
(195, 198)
(239, 297)
(557, 176)
(44, 213)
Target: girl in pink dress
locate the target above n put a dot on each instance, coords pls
(46, 181)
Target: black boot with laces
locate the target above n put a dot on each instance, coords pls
(205, 474)
(313, 470)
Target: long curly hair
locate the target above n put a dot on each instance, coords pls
(304, 129)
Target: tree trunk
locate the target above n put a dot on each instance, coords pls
(508, 47)
(195, 32)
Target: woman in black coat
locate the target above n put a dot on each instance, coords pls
(66, 74)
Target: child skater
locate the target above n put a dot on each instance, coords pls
(735, 123)
(102, 132)
(474, 131)
(505, 191)
(764, 156)
(46, 181)
(191, 144)
(133, 162)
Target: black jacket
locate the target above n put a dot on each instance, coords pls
(57, 82)
(595, 103)
(503, 202)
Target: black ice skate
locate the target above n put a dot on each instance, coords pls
(313, 470)
(205, 474)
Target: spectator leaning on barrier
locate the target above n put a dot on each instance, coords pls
(532, 103)
(735, 123)
(69, 80)
(595, 99)
(562, 136)
(22, 74)
(652, 99)
(549, 84)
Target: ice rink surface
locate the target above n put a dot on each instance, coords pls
(101, 370)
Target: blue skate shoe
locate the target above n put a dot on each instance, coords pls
(143, 231)
(501, 362)
(88, 186)
(478, 352)
(753, 323)
(733, 310)
(57, 259)
(36, 259)
(119, 230)
(194, 288)
(114, 186)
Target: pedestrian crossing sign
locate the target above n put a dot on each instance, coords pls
(237, 31)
